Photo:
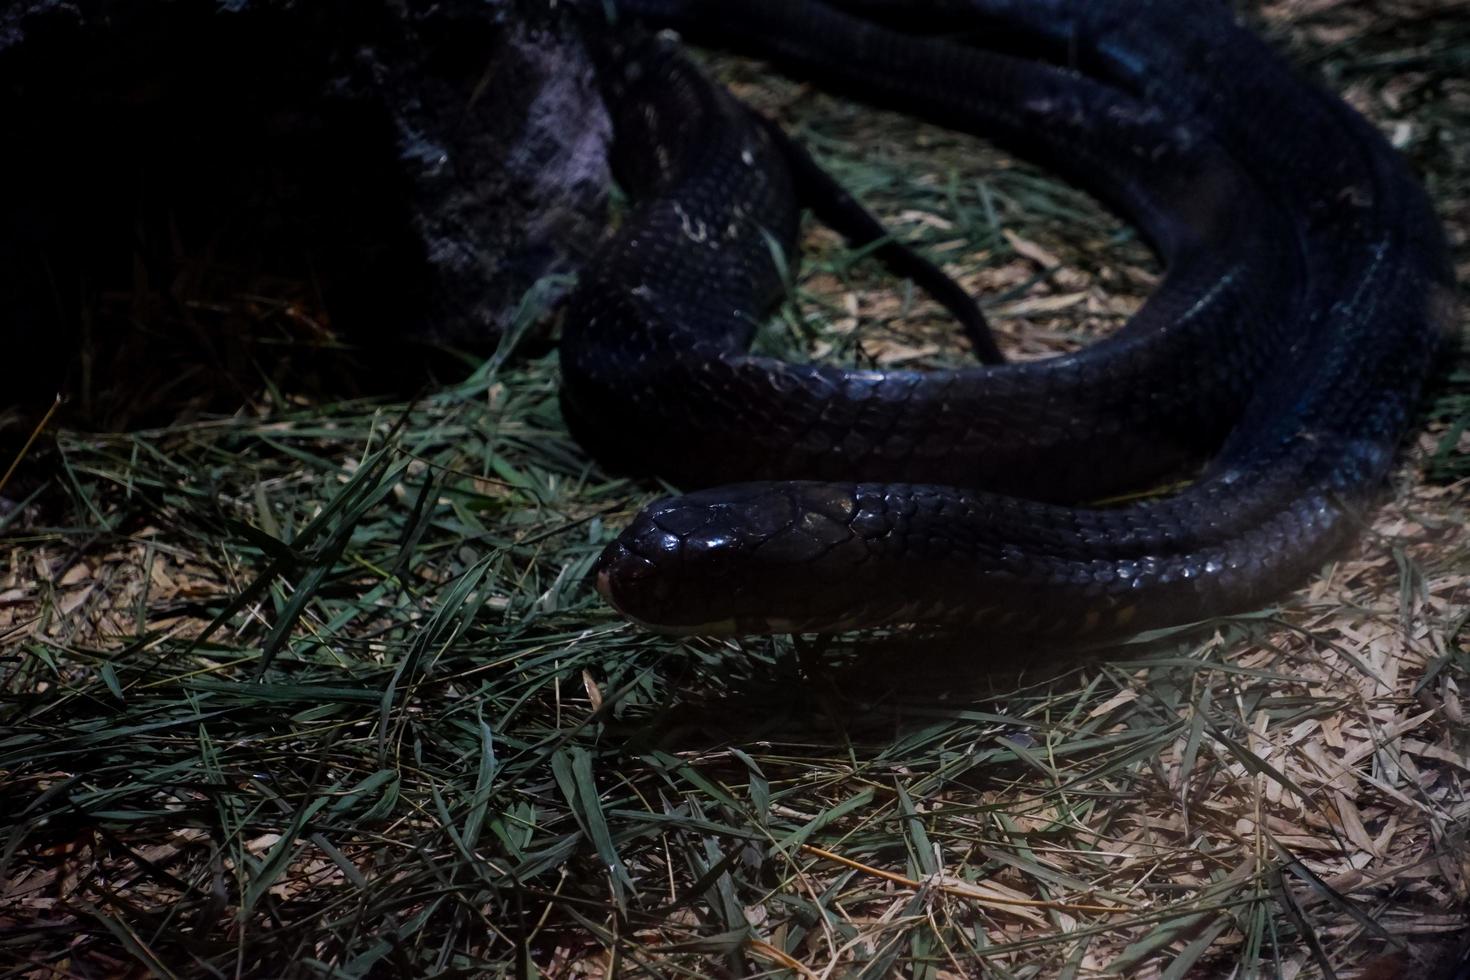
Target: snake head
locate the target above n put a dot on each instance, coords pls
(752, 558)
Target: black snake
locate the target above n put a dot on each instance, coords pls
(1307, 290)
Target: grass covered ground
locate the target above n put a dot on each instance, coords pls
(315, 688)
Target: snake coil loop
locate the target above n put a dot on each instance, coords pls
(1305, 296)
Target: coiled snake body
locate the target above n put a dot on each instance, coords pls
(1306, 291)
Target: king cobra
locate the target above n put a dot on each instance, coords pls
(1307, 290)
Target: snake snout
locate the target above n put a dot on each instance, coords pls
(662, 571)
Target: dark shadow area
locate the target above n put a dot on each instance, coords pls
(181, 224)
(865, 687)
(209, 205)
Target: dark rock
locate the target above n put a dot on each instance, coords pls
(413, 167)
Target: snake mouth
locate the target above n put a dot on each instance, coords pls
(604, 589)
